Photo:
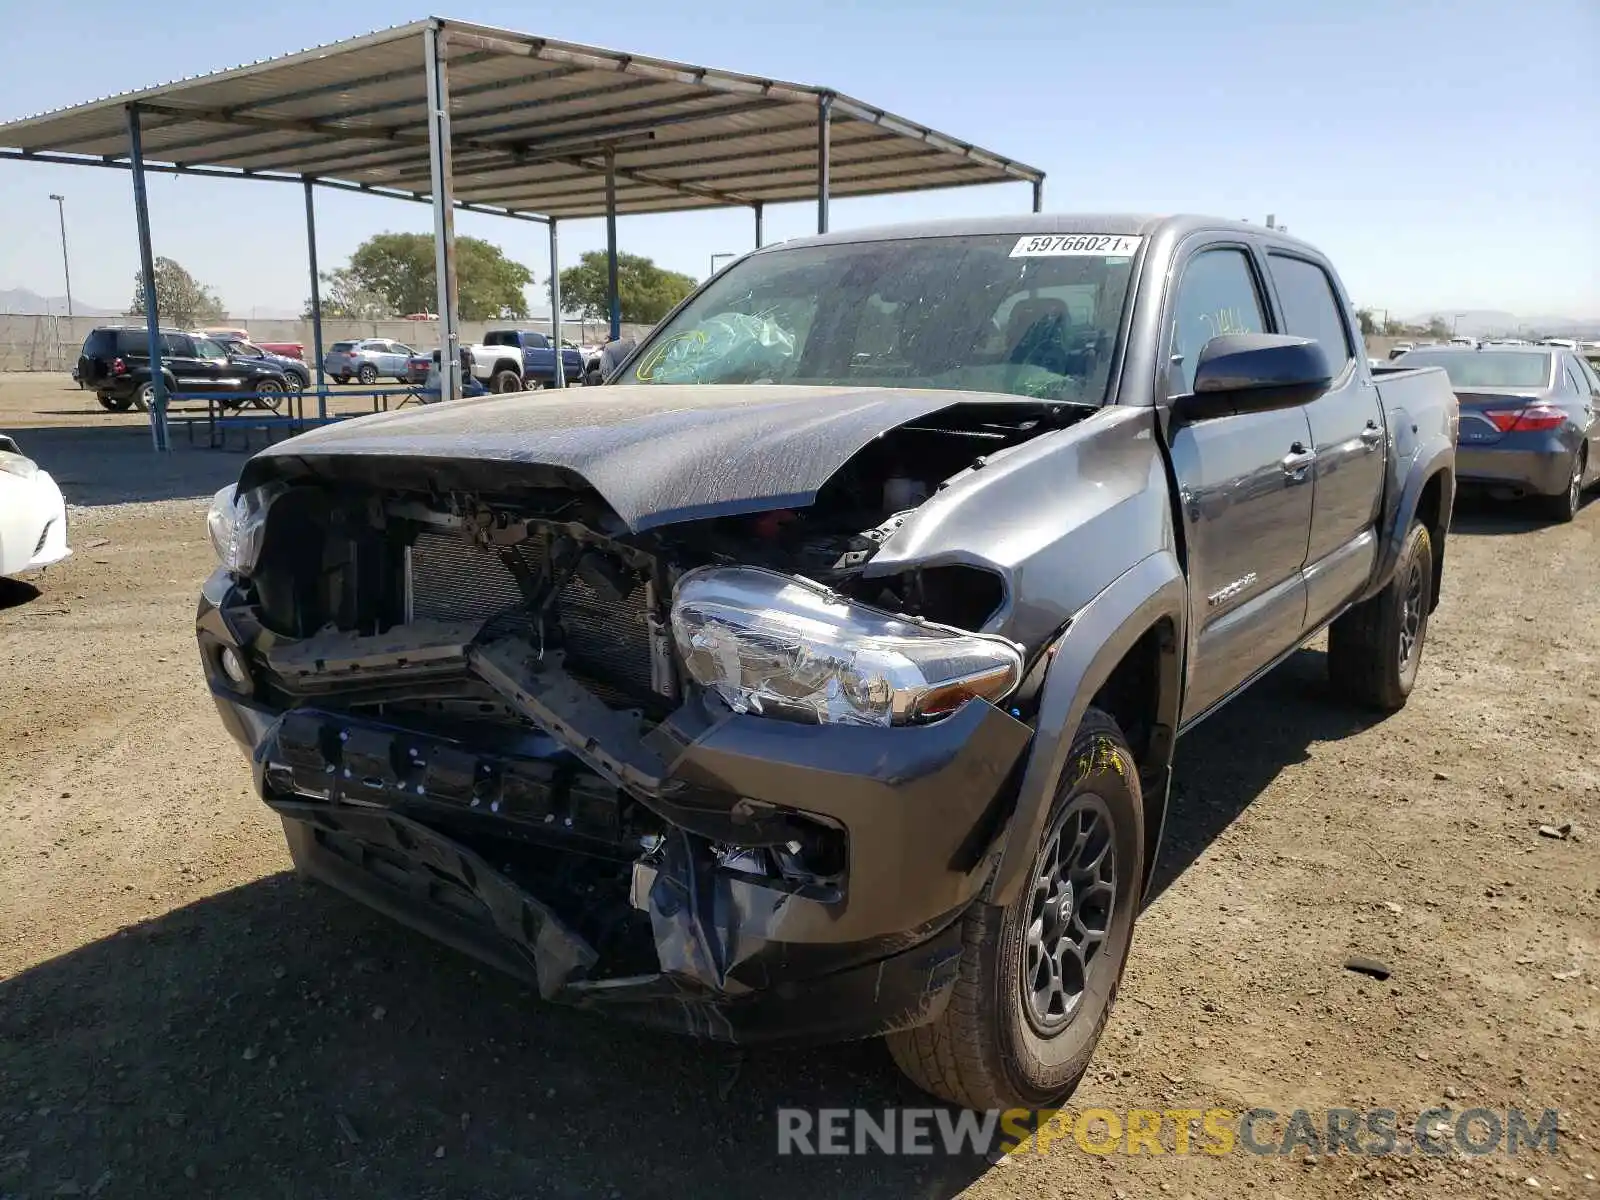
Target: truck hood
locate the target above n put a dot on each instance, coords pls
(655, 453)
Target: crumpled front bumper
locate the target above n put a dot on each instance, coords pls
(737, 958)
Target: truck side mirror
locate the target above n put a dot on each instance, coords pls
(1252, 372)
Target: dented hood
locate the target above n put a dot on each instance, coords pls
(655, 453)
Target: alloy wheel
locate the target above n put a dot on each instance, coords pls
(1069, 913)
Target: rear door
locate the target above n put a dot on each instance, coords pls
(190, 372)
(1347, 433)
(1244, 485)
(1583, 378)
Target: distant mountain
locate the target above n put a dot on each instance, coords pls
(30, 303)
(1488, 322)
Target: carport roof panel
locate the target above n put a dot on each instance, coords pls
(531, 122)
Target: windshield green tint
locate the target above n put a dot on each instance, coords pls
(946, 312)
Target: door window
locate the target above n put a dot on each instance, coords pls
(206, 348)
(177, 345)
(1311, 308)
(1218, 295)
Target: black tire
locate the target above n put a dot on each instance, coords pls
(996, 1046)
(341, 379)
(1564, 507)
(505, 380)
(297, 383)
(114, 403)
(143, 397)
(1374, 650)
(367, 374)
(269, 395)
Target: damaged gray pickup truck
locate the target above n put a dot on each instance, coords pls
(818, 677)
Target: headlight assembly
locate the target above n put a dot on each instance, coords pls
(236, 522)
(779, 646)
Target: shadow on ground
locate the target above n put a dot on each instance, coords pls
(14, 593)
(1477, 515)
(1219, 772)
(115, 464)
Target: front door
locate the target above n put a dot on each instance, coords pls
(1244, 484)
(1348, 434)
(190, 373)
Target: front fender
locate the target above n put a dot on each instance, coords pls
(1099, 636)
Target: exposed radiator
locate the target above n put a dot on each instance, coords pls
(607, 642)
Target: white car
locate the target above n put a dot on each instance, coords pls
(33, 517)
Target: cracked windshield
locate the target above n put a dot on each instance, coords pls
(980, 314)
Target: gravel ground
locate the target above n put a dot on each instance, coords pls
(180, 1016)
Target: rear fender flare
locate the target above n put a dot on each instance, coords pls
(1437, 460)
(1083, 658)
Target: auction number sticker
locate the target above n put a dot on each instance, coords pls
(1075, 245)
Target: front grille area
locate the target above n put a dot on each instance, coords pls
(607, 642)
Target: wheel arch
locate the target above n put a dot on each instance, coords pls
(1122, 651)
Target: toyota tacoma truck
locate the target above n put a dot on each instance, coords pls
(510, 360)
(818, 677)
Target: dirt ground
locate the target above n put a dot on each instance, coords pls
(180, 1016)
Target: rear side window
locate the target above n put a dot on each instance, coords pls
(1310, 307)
(500, 338)
(341, 347)
(1217, 296)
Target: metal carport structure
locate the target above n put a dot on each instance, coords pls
(464, 116)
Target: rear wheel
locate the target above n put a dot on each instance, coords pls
(1374, 650)
(505, 380)
(114, 403)
(1564, 507)
(1038, 976)
(145, 397)
(269, 395)
(341, 379)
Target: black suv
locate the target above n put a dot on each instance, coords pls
(116, 363)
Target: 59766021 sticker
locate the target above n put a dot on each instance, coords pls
(1075, 245)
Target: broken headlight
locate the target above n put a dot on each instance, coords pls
(784, 647)
(236, 522)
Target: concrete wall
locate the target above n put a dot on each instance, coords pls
(38, 343)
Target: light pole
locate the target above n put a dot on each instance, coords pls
(66, 266)
(1454, 317)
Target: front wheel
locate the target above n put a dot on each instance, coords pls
(1038, 976)
(269, 395)
(368, 375)
(1374, 650)
(1564, 507)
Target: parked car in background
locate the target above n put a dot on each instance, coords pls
(33, 516)
(509, 360)
(294, 370)
(1529, 425)
(820, 678)
(116, 363)
(368, 361)
(423, 369)
(228, 334)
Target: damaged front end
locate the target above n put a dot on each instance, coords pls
(707, 775)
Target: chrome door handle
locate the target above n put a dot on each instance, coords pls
(1372, 436)
(1297, 460)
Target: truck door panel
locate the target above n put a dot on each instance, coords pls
(1347, 433)
(1244, 485)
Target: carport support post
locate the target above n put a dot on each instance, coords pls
(316, 299)
(147, 276)
(760, 213)
(615, 298)
(555, 305)
(444, 224)
(1038, 195)
(824, 150)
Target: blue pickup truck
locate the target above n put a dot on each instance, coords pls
(509, 360)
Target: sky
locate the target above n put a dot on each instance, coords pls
(1445, 155)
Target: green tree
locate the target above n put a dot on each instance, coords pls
(343, 296)
(398, 269)
(647, 292)
(181, 299)
(1369, 326)
(1437, 329)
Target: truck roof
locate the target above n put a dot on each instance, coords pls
(1127, 224)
